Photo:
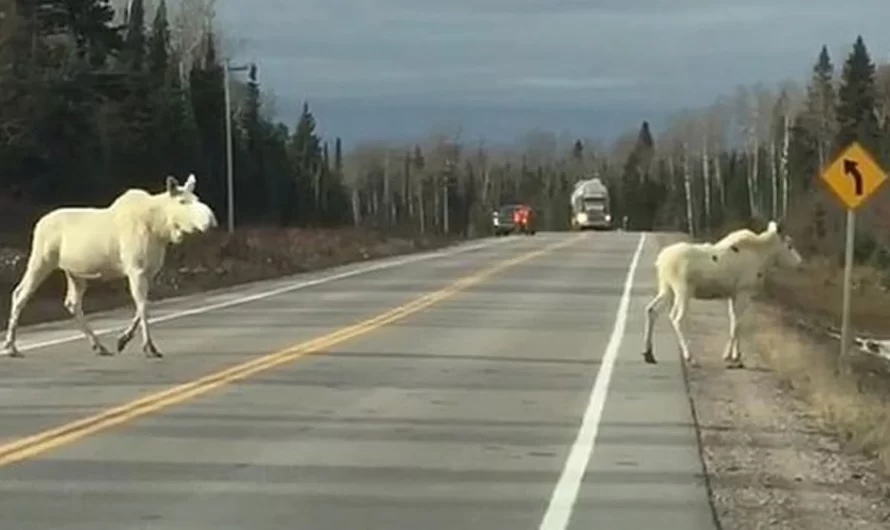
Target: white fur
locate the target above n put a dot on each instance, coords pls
(731, 269)
(127, 239)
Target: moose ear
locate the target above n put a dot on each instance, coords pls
(190, 183)
(172, 185)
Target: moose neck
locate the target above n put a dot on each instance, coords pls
(761, 247)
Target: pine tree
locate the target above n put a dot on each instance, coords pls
(88, 21)
(577, 160)
(250, 114)
(635, 180)
(305, 151)
(208, 109)
(159, 44)
(134, 41)
(578, 151)
(253, 182)
(338, 157)
(821, 117)
(803, 155)
(137, 111)
(856, 101)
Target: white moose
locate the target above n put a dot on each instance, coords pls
(730, 269)
(127, 239)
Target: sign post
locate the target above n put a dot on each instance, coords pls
(853, 176)
(230, 186)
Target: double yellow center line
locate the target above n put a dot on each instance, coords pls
(41, 442)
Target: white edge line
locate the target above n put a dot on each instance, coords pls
(562, 501)
(387, 264)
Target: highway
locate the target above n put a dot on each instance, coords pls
(495, 385)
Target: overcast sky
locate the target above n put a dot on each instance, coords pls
(548, 58)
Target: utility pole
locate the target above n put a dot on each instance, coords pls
(228, 67)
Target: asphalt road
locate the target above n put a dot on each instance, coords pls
(492, 387)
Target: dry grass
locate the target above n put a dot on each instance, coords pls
(855, 404)
(854, 401)
(817, 291)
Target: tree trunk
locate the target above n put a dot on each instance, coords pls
(421, 211)
(446, 207)
(687, 183)
(752, 179)
(316, 170)
(783, 163)
(407, 194)
(774, 177)
(356, 207)
(437, 210)
(706, 181)
(387, 192)
(718, 176)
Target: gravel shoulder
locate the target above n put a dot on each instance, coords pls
(771, 461)
(774, 450)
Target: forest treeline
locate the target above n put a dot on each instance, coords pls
(92, 103)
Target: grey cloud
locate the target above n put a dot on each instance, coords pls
(558, 52)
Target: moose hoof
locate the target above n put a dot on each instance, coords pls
(648, 357)
(735, 365)
(151, 351)
(101, 350)
(14, 353)
(122, 342)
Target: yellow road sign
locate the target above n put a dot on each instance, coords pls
(854, 176)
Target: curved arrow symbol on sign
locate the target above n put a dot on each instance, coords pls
(851, 169)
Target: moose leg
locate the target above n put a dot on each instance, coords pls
(739, 306)
(681, 300)
(77, 288)
(139, 291)
(34, 276)
(653, 309)
(124, 338)
(127, 335)
(731, 342)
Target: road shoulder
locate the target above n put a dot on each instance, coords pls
(770, 462)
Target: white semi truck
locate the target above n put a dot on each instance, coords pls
(590, 205)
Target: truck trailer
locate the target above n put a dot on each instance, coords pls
(590, 205)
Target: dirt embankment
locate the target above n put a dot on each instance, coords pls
(211, 261)
(789, 441)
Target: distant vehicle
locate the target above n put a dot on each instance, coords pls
(590, 205)
(514, 218)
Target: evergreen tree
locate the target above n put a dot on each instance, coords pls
(88, 21)
(159, 44)
(803, 155)
(578, 151)
(820, 117)
(208, 109)
(636, 204)
(135, 113)
(856, 101)
(254, 191)
(134, 40)
(305, 151)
